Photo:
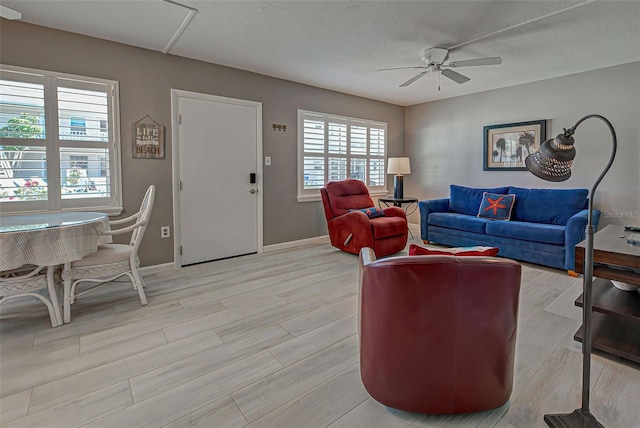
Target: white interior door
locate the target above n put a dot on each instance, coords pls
(219, 148)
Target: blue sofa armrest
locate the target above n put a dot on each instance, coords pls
(575, 232)
(427, 207)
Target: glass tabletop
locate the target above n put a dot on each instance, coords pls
(27, 222)
(405, 200)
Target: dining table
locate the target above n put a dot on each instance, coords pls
(48, 240)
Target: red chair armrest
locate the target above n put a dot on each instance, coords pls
(394, 212)
(350, 232)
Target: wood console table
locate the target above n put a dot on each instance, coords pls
(616, 313)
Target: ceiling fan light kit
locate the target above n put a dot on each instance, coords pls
(434, 59)
(435, 55)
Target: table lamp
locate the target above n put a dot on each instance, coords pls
(398, 166)
(552, 162)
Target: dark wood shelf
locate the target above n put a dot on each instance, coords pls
(604, 271)
(615, 336)
(607, 299)
(615, 313)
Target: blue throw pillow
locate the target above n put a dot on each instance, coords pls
(372, 212)
(466, 200)
(496, 207)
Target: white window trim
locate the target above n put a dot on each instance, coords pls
(114, 206)
(315, 195)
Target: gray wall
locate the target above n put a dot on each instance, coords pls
(146, 78)
(444, 138)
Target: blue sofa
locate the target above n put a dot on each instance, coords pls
(545, 224)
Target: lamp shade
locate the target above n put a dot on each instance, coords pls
(552, 161)
(399, 166)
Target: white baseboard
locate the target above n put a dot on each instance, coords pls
(324, 239)
(148, 270)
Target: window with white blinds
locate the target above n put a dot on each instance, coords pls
(334, 148)
(59, 141)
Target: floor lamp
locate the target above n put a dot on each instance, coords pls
(552, 162)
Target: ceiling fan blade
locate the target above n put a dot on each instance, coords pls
(473, 62)
(455, 76)
(402, 68)
(413, 79)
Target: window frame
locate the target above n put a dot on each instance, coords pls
(314, 194)
(52, 143)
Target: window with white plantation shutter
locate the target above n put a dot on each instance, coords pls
(332, 148)
(59, 141)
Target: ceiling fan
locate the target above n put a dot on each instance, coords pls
(434, 59)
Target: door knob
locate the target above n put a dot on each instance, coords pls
(252, 191)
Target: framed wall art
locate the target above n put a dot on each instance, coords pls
(507, 146)
(148, 139)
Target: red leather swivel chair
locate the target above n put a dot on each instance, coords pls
(438, 333)
(352, 230)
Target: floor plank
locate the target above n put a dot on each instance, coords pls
(337, 396)
(316, 340)
(267, 394)
(168, 376)
(178, 402)
(82, 410)
(74, 387)
(222, 413)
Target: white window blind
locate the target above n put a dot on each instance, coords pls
(332, 148)
(59, 141)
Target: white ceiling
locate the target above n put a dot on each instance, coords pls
(339, 45)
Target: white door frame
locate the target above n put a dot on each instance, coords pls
(176, 94)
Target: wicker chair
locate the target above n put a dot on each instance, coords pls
(111, 261)
(26, 281)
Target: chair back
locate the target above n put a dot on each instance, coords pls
(438, 333)
(144, 215)
(345, 195)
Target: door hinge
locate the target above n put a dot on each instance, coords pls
(180, 249)
(179, 119)
(181, 185)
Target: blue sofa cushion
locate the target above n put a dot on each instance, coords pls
(549, 206)
(458, 221)
(546, 233)
(466, 200)
(496, 207)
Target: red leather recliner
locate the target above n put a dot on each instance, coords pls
(438, 333)
(351, 231)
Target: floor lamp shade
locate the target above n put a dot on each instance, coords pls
(552, 162)
(399, 167)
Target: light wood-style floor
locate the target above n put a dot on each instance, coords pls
(268, 340)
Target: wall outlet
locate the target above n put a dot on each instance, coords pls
(165, 232)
